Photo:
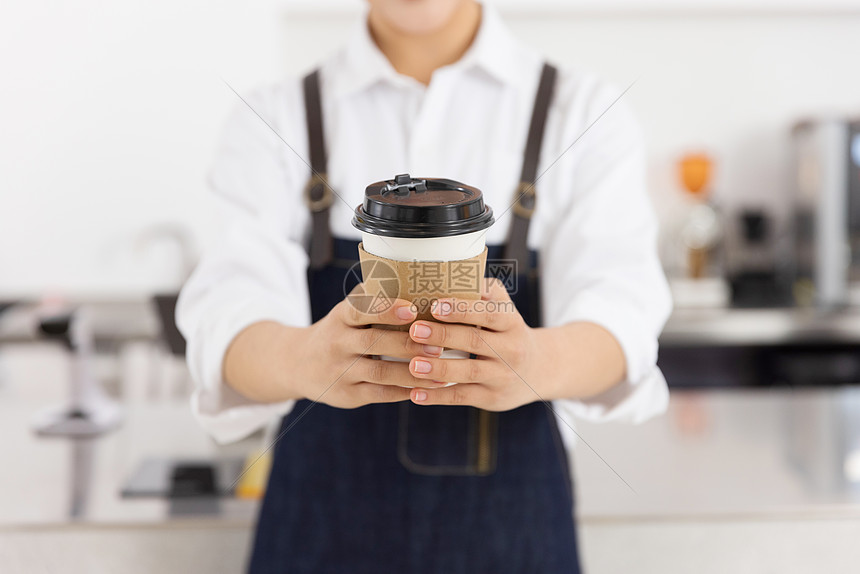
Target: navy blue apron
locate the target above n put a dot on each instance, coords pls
(391, 488)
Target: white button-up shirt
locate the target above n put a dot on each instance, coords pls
(593, 226)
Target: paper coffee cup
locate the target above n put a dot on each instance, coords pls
(430, 234)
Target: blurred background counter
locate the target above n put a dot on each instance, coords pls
(737, 478)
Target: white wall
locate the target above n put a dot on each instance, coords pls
(110, 110)
(109, 115)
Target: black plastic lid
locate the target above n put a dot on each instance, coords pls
(425, 207)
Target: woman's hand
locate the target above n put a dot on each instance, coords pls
(508, 359)
(335, 361)
(515, 363)
(329, 361)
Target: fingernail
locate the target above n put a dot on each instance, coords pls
(442, 307)
(420, 396)
(420, 366)
(404, 312)
(432, 350)
(420, 331)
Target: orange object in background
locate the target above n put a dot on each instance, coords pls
(702, 229)
(252, 482)
(695, 170)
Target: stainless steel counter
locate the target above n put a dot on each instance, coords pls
(50, 481)
(723, 454)
(720, 471)
(727, 481)
(714, 453)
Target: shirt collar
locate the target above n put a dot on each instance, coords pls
(362, 64)
(494, 48)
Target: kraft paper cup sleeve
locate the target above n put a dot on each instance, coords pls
(420, 282)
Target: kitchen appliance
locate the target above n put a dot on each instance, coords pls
(756, 278)
(88, 410)
(826, 218)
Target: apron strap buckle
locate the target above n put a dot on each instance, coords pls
(526, 197)
(318, 194)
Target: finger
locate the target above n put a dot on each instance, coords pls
(471, 395)
(391, 373)
(454, 370)
(374, 341)
(373, 393)
(460, 337)
(356, 310)
(492, 289)
(494, 315)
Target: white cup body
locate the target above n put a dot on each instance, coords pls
(449, 248)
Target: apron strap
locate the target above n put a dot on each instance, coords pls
(525, 197)
(318, 194)
(319, 197)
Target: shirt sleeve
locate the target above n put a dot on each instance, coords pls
(600, 262)
(255, 271)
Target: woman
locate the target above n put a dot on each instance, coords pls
(382, 467)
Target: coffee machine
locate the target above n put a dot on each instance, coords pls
(826, 218)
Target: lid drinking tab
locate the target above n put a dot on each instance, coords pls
(403, 184)
(422, 207)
